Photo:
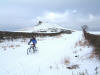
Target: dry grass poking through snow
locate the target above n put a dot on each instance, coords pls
(66, 61)
(5, 47)
(94, 40)
(73, 67)
(82, 42)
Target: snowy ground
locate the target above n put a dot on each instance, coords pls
(61, 55)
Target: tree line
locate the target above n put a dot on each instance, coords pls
(6, 35)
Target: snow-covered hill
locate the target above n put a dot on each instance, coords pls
(44, 28)
(59, 55)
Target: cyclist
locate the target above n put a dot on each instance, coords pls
(33, 41)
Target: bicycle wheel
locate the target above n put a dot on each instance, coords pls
(35, 49)
(28, 50)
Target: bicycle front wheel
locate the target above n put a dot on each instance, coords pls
(28, 51)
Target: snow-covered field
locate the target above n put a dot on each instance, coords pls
(65, 54)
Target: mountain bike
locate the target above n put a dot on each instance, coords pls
(31, 49)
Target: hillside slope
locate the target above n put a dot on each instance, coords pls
(66, 54)
(44, 28)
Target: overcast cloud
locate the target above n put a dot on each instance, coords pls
(16, 14)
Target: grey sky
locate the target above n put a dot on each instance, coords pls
(16, 14)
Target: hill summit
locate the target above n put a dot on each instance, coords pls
(44, 27)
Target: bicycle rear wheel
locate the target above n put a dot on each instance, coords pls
(28, 51)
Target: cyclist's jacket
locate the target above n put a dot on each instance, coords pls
(33, 41)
